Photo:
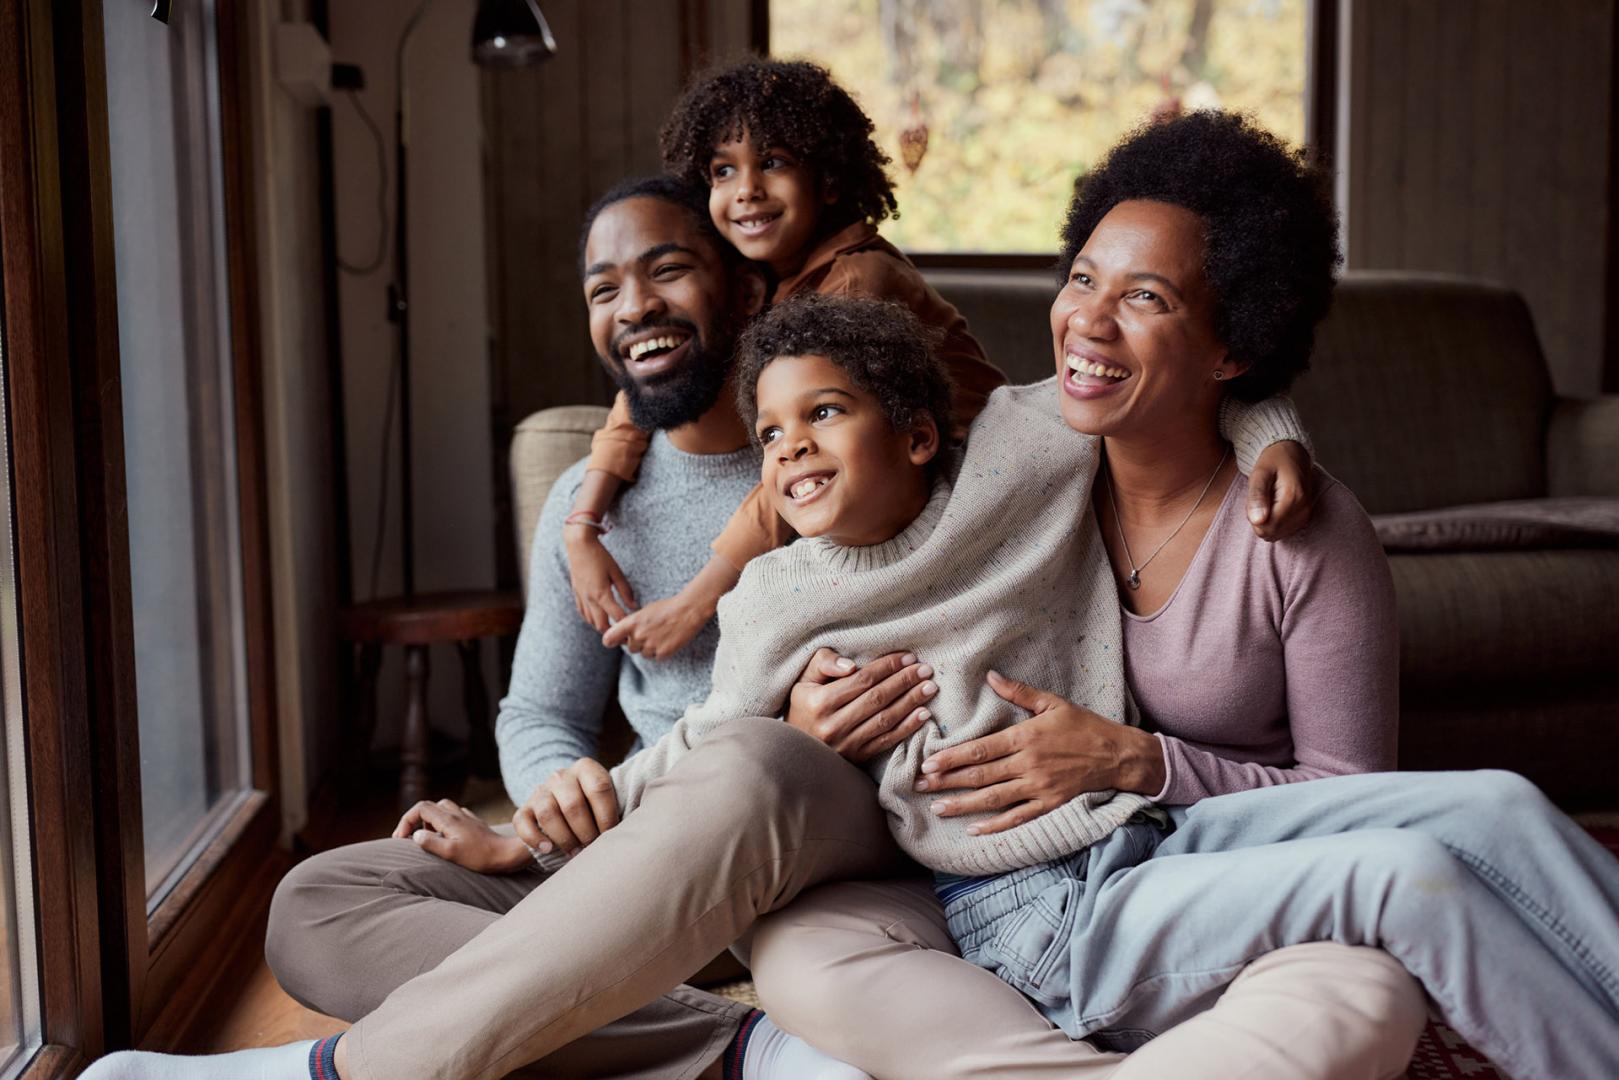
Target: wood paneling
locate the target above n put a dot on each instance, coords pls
(557, 137)
(1479, 141)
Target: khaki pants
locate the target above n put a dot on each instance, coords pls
(454, 974)
(868, 973)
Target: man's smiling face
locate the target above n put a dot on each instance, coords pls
(658, 296)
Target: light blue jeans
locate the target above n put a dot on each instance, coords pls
(1504, 909)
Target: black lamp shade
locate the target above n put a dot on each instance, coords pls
(510, 34)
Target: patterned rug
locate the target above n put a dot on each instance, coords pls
(1444, 1055)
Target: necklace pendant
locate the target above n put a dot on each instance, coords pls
(1134, 580)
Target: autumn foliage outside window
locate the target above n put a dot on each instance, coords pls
(1006, 101)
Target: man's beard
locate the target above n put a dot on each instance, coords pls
(673, 398)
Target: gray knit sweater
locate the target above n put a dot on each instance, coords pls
(1003, 569)
(563, 680)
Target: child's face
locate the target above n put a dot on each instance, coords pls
(833, 464)
(765, 202)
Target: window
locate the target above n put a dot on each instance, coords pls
(179, 432)
(1018, 97)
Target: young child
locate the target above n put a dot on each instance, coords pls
(796, 183)
(908, 544)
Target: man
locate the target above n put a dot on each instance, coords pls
(444, 967)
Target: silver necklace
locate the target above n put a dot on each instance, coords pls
(1134, 580)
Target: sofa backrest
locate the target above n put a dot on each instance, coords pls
(543, 446)
(1426, 390)
(1009, 312)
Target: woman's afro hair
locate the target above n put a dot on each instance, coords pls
(883, 348)
(793, 104)
(1270, 231)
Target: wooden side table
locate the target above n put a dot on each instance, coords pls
(461, 618)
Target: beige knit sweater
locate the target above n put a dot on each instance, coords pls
(1003, 569)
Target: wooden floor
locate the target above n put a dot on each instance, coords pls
(261, 1013)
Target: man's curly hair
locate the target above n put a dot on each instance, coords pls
(883, 348)
(793, 104)
(1270, 231)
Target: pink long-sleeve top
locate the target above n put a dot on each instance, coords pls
(1272, 662)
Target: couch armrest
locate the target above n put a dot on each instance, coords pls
(543, 446)
(1582, 452)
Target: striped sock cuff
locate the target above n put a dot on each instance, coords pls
(323, 1058)
(732, 1067)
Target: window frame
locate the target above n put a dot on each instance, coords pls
(109, 976)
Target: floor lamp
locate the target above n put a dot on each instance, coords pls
(505, 34)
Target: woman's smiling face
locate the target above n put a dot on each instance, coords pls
(1133, 327)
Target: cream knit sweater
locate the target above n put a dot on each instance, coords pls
(1004, 569)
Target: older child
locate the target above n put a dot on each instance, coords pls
(797, 183)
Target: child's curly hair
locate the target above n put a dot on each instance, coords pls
(1270, 231)
(793, 104)
(883, 347)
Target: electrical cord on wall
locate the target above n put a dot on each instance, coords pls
(373, 264)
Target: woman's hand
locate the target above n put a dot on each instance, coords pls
(1281, 491)
(594, 575)
(454, 833)
(568, 811)
(861, 712)
(1036, 766)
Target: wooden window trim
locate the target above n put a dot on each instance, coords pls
(109, 976)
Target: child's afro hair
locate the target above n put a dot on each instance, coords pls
(883, 347)
(1270, 231)
(793, 104)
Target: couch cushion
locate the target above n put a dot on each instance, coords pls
(1428, 390)
(1472, 620)
(1576, 521)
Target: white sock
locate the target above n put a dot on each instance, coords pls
(772, 1054)
(290, 1062)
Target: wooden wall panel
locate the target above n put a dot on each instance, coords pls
(560, 136)
(1479, 141)
(556, 138)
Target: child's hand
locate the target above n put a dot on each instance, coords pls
(568, 811)
(594, 574)
(458, 835)
(664, 627)
(1281, 491)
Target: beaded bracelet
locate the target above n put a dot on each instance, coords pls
(586, 517)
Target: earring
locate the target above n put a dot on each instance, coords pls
(1218, 375)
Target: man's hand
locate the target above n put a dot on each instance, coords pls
(568, 811)
(1281, 491)
(1034, 767)
(865, 712)
(455, 833)
(595, 574)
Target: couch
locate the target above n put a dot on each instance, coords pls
(1427, 392)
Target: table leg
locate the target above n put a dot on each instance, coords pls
(485, 758)
(413, 739)
(358, 733)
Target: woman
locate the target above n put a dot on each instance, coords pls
(1200, 258)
